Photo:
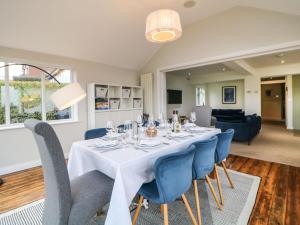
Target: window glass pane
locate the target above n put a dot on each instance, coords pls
(2, 94)
(25, 94)
(64, 77)
(200, 96)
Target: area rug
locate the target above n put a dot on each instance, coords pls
(237, 209)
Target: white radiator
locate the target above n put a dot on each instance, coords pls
(147, 84)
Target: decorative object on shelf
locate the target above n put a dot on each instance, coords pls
(64, 97)
(137, 103)
(229, 94)
(126, 92)
(114, 103)
(163, 26)
(101, 92)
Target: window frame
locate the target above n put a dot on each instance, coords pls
(8, 124)
(198, 97)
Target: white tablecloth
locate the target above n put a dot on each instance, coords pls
(130, 168)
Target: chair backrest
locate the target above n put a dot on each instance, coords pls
(58, 192)
(204, 159)
(203, 116)
(223, 146)
(94, 133)
(173, 174)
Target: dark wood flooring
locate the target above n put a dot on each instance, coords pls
(278, 199)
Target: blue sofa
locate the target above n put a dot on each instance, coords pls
(244, 129)
(229, 114)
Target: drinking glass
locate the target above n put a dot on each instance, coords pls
(193, 117)
(139, 120)
(109, 127)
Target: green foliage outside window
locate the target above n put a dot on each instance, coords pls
(28, 101)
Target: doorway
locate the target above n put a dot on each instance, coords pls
(273, 99)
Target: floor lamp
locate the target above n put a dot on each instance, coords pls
(64, 97)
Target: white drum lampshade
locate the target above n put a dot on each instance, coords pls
(163, 26)
(68, 96)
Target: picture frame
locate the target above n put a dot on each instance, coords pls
(229, 94)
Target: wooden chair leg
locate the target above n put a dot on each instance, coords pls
(197, 201)
(219, 185)
(188, 207)
(137, 211)
(213, 191)
(161, 209)
(165, 212)
(99, 212)
(227, 174)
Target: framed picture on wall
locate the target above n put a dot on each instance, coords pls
(229, 94)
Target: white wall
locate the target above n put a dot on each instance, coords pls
(228, 34)
(214, 94)
(179, 82)
(17, 145)
(235, 30)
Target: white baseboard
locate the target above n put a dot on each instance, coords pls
(22, 166)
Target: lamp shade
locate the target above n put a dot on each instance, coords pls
(163, 25)
(68, 96)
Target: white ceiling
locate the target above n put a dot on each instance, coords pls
(208, 69)
(290, 57)
(107, 31)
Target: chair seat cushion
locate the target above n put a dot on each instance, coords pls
(150, 192)
(90, 192)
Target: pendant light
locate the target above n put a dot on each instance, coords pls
(163, 26)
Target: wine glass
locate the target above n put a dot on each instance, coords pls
(139, 120)
(160, 117)
(109, 127)
(193, 117)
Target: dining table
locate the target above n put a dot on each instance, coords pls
(128, 165)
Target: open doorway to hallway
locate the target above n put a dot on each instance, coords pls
(273, 99)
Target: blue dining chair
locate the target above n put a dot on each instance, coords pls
(203, 165)
(222, 151)
(121, 127)
(173, 178)
(95, 133)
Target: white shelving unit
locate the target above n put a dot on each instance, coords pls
(113, 102)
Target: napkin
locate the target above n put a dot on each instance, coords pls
(180, 134)
(105, 143)
(149, 142)
(189, 125)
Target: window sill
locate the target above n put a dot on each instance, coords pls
(21, 125)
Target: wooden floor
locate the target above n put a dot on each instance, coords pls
(278, 199)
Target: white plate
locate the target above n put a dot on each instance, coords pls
(147, 143)
(198, 129)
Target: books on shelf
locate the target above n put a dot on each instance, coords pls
(101, 104)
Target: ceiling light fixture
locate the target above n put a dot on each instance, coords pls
(282, 61)
(163, 26)
(189, 3)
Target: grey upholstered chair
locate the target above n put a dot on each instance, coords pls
(67, 203)
(203, 115)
